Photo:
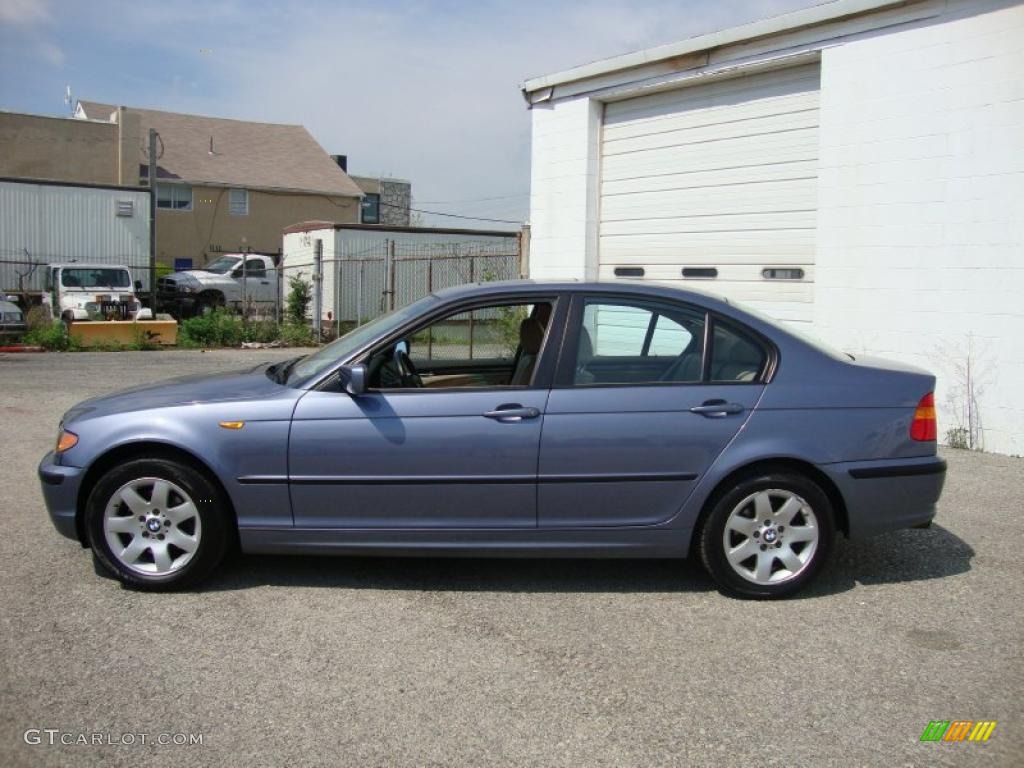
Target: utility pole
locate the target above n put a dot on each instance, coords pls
(152, 218)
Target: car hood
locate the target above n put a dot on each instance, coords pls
(234, 386)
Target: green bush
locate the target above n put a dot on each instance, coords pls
(296, 335)
(263, 331)
(52, 337)
(220, 328)
(297, 304)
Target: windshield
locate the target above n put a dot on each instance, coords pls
(337, 351)
(223, 265)
(95, 277)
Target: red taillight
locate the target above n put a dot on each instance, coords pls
(923, 426)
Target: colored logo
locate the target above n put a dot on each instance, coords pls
(958, 730)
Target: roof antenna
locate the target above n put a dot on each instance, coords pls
(211, 146)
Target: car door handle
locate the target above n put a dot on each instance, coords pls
(512, 412)
(716, 409)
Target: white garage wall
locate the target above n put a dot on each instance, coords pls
(921, 207)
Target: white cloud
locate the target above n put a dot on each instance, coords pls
(24, 12)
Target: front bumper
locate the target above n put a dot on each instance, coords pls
(60, 492)
(888, 495)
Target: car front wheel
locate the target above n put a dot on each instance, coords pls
(767, 536)
(157, 524)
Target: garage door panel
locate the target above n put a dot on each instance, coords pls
(740, 92)
(721, 116)
(744, 151)
(722, 175)
(706, 134)
(657, 248)
(721, 178)
(740, 273)
(732, 223)
(753, 198)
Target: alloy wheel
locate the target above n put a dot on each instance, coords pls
(771, 536)
(152, 526)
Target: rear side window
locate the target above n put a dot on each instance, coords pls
(622, 342)
(736, 356)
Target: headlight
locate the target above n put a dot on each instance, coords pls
(65, 441)
(187, 283)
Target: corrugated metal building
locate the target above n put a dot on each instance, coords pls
(46, 222)
(855, 168)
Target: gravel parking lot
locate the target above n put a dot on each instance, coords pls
(286, 661)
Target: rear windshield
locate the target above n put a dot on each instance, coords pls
(95, 277)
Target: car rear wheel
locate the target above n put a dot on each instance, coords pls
(157, 524)
(767, 536)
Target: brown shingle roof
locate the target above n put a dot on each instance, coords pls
(245, 154)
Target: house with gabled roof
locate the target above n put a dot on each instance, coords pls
(226, 185)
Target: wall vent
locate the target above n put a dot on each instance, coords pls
(125, 207)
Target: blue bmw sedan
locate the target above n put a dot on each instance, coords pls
(519, 419)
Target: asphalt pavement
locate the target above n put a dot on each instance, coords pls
(289, 661)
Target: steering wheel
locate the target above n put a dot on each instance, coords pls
(405, 367)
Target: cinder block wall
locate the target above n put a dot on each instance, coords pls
(921, 219)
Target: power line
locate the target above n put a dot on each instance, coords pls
(472, 199)
(450, 215)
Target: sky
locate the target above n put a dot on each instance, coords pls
(423, 91)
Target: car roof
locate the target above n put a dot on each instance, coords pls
(631, 287)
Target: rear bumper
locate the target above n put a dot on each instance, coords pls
(60, 492)
(888, 495)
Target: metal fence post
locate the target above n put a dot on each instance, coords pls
(318, 255)
(472, 279)
(391, 275)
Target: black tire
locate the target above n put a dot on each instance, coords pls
(212, 524)
(712, 534)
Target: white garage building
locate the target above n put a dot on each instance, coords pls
(855, 169)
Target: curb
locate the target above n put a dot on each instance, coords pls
(21, 348)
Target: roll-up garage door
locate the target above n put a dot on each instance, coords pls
(715, 186)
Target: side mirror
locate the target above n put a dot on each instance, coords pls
(138, 285)
(353, 379)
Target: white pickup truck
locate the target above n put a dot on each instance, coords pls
(80, 291)
(235, 280)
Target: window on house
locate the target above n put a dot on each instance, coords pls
(175, 197)
(369, 209)
(238, 202)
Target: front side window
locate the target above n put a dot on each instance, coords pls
(253, 268)
(369, 209)
(238, 202)
(497, 345)
(622, 342)
(175, 197)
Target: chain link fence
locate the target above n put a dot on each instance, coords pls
(367, 279)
